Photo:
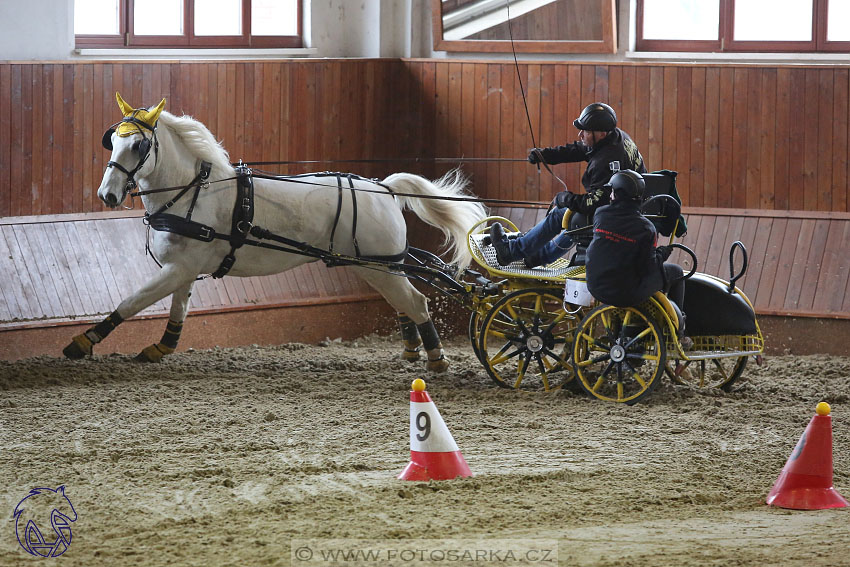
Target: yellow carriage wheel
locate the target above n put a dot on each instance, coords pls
(712, 373)
(619, 354)
(526, 340)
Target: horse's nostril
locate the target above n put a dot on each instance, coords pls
(111, 199)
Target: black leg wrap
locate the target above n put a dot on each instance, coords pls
(430, 338)
(102, 329)
(172, 334)
(409, 333)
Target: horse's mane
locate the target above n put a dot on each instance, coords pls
(198, 140)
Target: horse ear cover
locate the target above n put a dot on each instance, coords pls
(107, 139)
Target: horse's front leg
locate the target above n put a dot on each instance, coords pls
(168, 343)
(167, 281)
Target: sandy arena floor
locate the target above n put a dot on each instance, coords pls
(222, 457)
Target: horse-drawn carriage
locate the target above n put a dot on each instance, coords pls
(202, 211)
(539, 328)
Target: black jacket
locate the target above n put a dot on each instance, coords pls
(623, 266)
(613, 153)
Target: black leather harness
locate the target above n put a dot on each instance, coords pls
(243, 216)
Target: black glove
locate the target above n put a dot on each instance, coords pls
(534, 156)
(562, 199)
(664, 252)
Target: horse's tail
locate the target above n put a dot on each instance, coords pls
(453, 218)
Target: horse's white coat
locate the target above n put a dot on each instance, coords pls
(298, 211)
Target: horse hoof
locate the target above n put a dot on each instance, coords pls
(80, 347)
(439, 366)
(154, 353)
(411, 355)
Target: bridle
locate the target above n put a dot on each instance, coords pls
(144, 150)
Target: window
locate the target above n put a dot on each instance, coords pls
(187, 23)
(743, 25)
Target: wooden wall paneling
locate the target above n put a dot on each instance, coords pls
(722, 196)
(828, 282)
(638, 114)
(615, 92)
(26, 139)
(738, 181)
(684, 137)
(39, 276)
(783, 139)
(810, 143)
(750, 197)
(600, 82)
(801, 234)
(669, 154)
(479, 127)
(79, 281)
(5, 140)
(14, 299)
(825, 123)
(562, 125)
(495, 95)
(270, 128)
(372, 124)
(86, 147)
(627, 99)
(468, 87)
(441, 101)
(814, 262)
(697, 137)
(796, 162)
(838, 186)
(767, 141)
(45, 153)
(702, 196)
(49, 241)
(524, 182)
(771, 260)
(545, 184)
(572, 171)
(789, 260)
(588, 85)
(840, 300)
(35, 164)
(16, 139)
(231, 110)
(223, 122)
(76, 111)
(507, 127)
(454, 110)
(655, 109)
(717, 248)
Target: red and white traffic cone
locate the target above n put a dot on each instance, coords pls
(806, 479)
(434, 455)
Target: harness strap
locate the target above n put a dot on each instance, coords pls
(353, 216)
(242, 220)
(338, 210)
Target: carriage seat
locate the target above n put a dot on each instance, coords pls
(485, 255)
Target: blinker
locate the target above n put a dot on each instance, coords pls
(107, 139)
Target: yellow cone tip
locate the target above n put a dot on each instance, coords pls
(418, 385)
(823, 409)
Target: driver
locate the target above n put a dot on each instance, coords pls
(624, 266)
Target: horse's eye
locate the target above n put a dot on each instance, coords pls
(135, 146)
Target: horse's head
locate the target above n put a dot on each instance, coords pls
(132, 141)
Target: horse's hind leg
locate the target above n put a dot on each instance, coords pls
(167, 281)
(410, 337)
(168, 343)
(413, 305)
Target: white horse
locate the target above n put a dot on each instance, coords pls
(153, 149)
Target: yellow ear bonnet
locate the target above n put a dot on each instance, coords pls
(149, 117)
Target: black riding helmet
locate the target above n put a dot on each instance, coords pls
(596, 117)
(627, 184)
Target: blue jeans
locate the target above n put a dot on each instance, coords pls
(545, 242)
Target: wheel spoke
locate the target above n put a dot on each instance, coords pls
(639, 380)
(608, 368)
(598, 384)
(620, 391)
(639, 336)
(521, 368)
(702, 373)
(721, 370)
